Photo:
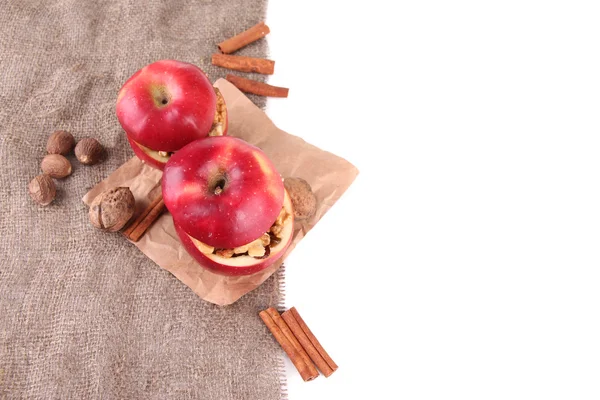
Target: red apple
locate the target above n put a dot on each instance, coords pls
(165, 106)
(226, 197)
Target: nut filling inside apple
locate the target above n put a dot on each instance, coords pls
(218, 127)
(220, 121)
(259, 248)
(270, 244)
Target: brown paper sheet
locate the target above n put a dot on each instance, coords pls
(328, 175)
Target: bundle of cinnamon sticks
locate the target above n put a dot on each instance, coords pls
(248, 64)
(299, 343)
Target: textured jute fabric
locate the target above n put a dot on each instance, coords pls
(84, 314)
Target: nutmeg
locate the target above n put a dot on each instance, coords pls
(42, 189)
(111, 209)
(89, 151)
(60, 142)
(302, 196)
(56, 166)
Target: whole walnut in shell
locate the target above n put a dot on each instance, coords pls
(111, 209)
(42, 189)
(303, 198)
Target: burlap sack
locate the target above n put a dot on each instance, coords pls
(84, 314)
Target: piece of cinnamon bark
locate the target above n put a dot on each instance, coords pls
(244, 64)
(258, 31)
(148, 216)
(255, 87)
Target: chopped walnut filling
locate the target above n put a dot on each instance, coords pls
(164, 153)
(258, 248)
(219, 120)
(226, 253)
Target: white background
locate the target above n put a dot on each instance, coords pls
(463, 262)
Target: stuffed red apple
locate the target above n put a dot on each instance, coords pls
(165, 106)
(229, 206)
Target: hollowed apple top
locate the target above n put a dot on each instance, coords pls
(222, 191)
(166, 105)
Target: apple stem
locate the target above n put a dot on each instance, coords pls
(218, 190)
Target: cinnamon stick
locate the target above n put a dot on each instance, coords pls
(244, 64)
(148, 216)
(287, 346)
(255, 87)
(290, 336)
(310, 343)
(230, 45)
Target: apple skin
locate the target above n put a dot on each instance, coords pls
(222, 191)
(166, 105)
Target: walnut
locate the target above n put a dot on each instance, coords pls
(302, 196)
(276, 230)
(241, 249)
(225, 253)
(56, 165)
(265, 239)
(256, 249)
(281, 217)
(60, 142)
(42, 189)
(277, 226)
(220, 119)
(89, 151)
(111, 209)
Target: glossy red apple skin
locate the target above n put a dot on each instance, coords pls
(223, 269)
(250, 200)
(166, 105)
